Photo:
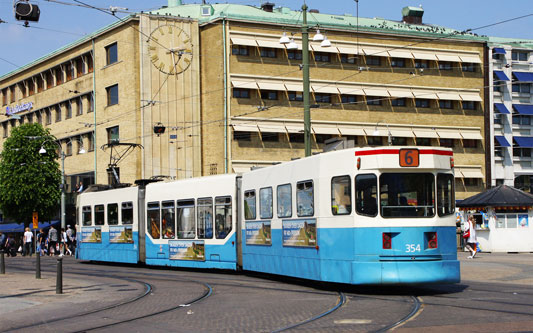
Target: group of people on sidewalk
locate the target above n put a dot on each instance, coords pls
(47, 242)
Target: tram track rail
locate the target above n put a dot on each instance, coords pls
(415, 311)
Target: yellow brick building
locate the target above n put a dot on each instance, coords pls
(228, 94)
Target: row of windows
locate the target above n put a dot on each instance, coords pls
(126, 214)
(49, 78)
(265, 52)
(352, 99)
(401, 195)
(54, 113)
(176, 219)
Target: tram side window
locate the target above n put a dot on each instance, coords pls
(249, 205)
(186, 218)
(86, 215)
(265, 203)
(284, 200)
(127, 212)
(223, 219)
(168, 223)
(366, 189)
(407, 194)
(154, 223)
(99, 215)
(205, 218)
(445, 194)
(341, 195)
(112, 214)
(305, 198)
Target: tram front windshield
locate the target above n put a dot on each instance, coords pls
(407, 194)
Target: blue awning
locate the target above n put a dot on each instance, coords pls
(526, 109)
(498, 50)
(523, 76)
(524, 141)
(502, 141)
(501, 76)
(15, 227)
(501, 108)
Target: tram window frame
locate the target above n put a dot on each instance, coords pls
(204, 220)
(186, 231)
(266, 210)
(444, 209)
(84, 220)
(224, 220)
(99, 215)
(250, 212)
(126, 212)
(168, 229)
(302, 188)
(362, 202)
(112, 214)
(282, 203)
(339, 204)
(390, 196)
(153, 212)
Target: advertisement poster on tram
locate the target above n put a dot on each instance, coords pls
(299, 232)
(187, 250)
(523, 221)
(91, 234)
(258, 233)
(120, 234)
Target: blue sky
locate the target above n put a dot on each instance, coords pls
(61, 24)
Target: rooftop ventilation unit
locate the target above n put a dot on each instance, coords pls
(412, 15)
(268, 6)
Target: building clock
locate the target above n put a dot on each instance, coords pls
(170, 49)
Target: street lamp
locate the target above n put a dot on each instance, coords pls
(291, 45)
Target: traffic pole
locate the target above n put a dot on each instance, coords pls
(59, 276)
(38, 266)
(2, 263)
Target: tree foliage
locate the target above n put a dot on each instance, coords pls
(29, 181)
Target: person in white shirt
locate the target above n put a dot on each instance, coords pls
(28, 236)
(471, 240)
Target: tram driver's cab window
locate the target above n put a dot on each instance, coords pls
(86, 215)
(404, 195)
(305, 198)
(445, 194)
(341, 195)
(366, 189)
(249, 205)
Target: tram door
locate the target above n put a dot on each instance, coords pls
(141, 222)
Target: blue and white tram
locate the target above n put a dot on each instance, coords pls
(358, 216)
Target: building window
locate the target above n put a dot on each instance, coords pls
(31, 87)
(295, 96)
(79, 109)
(497, 118)
(519, 56)
(445, 104)
(267, 52)
(111, 54)
(59, 75)
(322, 57)
(242, 136)
(322, 98)
(374, 100)
(294, 55)
(522, 88)
(58, 113)
(69, 148)
(4, 96)
(422, 103)
(469, 143)
(468, 67)
(423, 141)
(398, 102)
(269, 94)
(240, 50)
(89, 60)
(521, 120)
(22, 89)
(39, 117)
(11, 94)
(270, 137)
(348, 58)
(522, 152)
(421, 63)
(397, 141)
(40, 84)
(68, 107)
(241, 93)
(348, 99)
(90, 138)
(471, 181)
(49, 81)
(445, 66)
(5, 130)
(374, 140)
(397, 62)
(113, 135)
(469, 105)
(498, 151)
(112, 95)
(80, 67)
(70, 71)
(373, 61)
(48, 114)
(296, 138)
(446, 143)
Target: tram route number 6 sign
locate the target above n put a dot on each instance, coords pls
(409, 158)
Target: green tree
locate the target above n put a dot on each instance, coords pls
(29, 181)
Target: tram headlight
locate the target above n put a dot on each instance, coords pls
(387, 240)
(432, 240)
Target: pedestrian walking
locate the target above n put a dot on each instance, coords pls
(52, 241)
(469, 234)
(41, 241)
(11, 246)
(63, 248)
(28, 237)
(70, 240)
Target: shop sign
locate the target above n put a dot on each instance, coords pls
(18, 108)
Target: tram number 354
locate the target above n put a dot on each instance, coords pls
(409, 248)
